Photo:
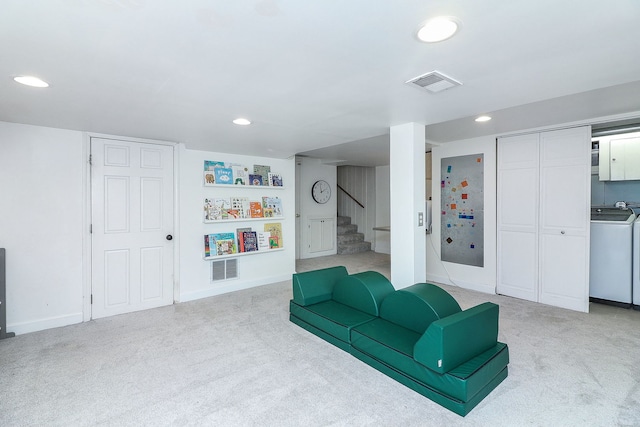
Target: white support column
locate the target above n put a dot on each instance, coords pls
(407, 179)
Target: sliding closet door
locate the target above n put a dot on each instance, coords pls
(518, 216)
(543, 217)
(565, 190)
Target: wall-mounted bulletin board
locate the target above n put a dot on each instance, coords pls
(462, 202)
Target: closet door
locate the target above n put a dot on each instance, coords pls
(564, 218)
(518, 192)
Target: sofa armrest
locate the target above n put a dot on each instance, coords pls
(453, 340)
(316, 286)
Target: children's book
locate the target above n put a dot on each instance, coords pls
(221, 206)
(250, 241)
(263, 171)
(223, 175)
(207, 246)
(273, 203)
(241, 206)
(275, 230)
(240, 235)
(255, 179)
(255, 209)
(210, 165)
(225, 243)
(263, 240)
(209, 178)
(240, 174)
(275, 179)
(210, 212)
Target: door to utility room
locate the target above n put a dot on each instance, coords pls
(132, 205)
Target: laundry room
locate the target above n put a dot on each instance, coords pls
(614, 276)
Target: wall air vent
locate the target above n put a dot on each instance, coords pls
(434, 82)
(224, 269)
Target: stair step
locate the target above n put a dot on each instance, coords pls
(344, 220)
(354, 248)
(350, 238)
(346, 229)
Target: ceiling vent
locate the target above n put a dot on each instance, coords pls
(434, 82)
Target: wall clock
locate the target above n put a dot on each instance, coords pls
(321, 191)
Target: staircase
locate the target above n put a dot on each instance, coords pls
(349, 240)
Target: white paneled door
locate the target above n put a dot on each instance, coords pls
(132, 226)
(543, 217)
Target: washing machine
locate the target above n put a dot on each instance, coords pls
(636, 263)
(611, 265)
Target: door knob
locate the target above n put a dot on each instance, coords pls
(169, 237)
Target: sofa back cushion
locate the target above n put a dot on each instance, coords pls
(363, 291)
(316, 286)
(458, 338)
(417, 306)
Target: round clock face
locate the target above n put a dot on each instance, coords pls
(321, 191)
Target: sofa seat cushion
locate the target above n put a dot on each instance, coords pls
(392, 345)
(332, 317)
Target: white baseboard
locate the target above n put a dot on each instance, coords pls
(42, 324)
(224, 287)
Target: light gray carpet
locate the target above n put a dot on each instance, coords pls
(236, 360)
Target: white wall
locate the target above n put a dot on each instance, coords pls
(382, 239)
(311, 170)
(478, 278)
(41, 218)
(253, 270)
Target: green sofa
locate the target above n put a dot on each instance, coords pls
(418, 335)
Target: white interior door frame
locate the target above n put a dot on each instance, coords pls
(86, 235)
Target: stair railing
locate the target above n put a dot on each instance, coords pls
(350, 196)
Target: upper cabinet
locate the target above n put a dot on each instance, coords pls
(620, 157)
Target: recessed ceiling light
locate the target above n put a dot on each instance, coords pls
(242, 122)
(483, 119)
(438, 29)
(31, 81)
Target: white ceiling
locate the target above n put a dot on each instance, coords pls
(312, 74)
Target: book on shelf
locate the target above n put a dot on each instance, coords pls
(263, 171)
(275, 230)
(221, 206)
(273, 203)
(267, 212)
(250, 239)
(255, 179)
(210, 165)
(275, 179)
(255, 210)
(240, 174)
(223, 175)
(224, 243)
(216, 209)
(241, 205)
(209, 178)
(207, 246)
(240, 236)
(263, 240)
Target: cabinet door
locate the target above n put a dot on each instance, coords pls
(518, 191)
(632, 158)
(321, 234)
(564, 218)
